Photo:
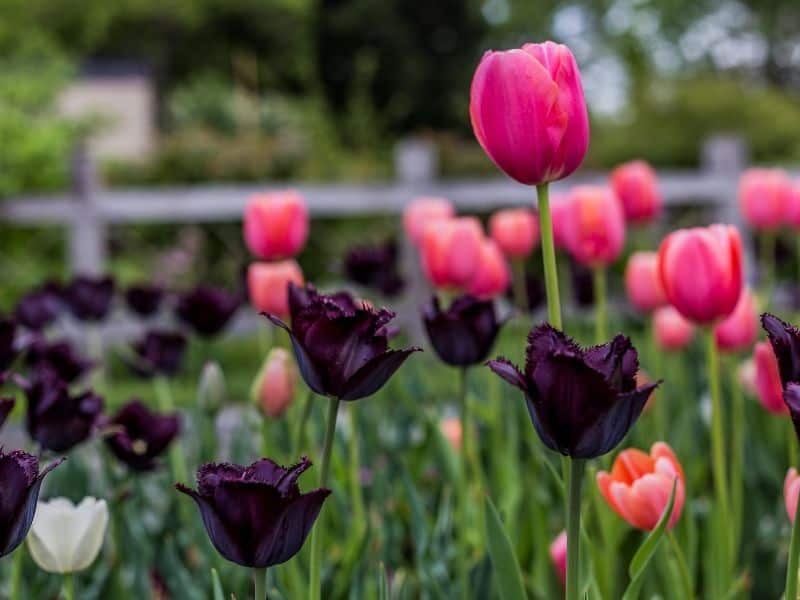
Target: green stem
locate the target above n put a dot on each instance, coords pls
(794, 550)
(69, 586)
(260, 583)
(600, 305)
(737, 455)
(355, 469)
(792, 445)
(167, 405)
(768, 264)
(314, 587)
(463, 558)
(688, 591)
(575, 470)
(16, 574)
(518, 281)
(549, 257)
(297, 441)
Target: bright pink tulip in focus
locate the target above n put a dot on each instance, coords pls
(739, 330)
(643, 283)
(596, 228)
(791, 488)
(558, 554)
(765, 198)
(768, 379)
(422, 211)
(491, 277)
(451, 251)
(671, 330)
(701, 271)
(639, 485)
(636, 185)
(276, 224)
(268, 285)
(515, 230)
(451, 430)
(276, 382)
(528, 112)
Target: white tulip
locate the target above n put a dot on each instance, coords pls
(65, 538)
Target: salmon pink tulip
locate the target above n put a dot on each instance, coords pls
(451, 251)
(765, 198)
(276, 224)
(636, 185)
(515, 230)
(740, 329)
(596, 229)
(491, 276)
(768, 379)
(274, 386)
(423, 211)
(671, 330)
(558, 554)
(791, 488)
(268, 285)
(450, 428)
(643, 283)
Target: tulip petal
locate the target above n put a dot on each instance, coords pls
(617, 361)
(375, 373)
(785, 340)
(284, 479)
(508, 371)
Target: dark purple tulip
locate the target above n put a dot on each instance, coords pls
(160, 352)
(207, 309)
(59, 356)
(341, 347)
(144, 300)
(463, 334)
(56, 419)
(8, 343)
(375, 267)
(89, 298)
(38, 309)
(582, 401)
(140, 435)
(20, 480)
(256, 515)
(6, 406)
(785, 340)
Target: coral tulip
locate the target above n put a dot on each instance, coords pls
(791, 489)
(596, 230)
(740, 329)
(636, 185)
(451, 251)
(421, 212)
(464, 334)
(671, 330)
(491, 277)
(140, 436)
(268, 285)
(560, 214)
(768, 379)
(274, 385)
(515, 230)
(558, 554)
(765, 198)
(643, 283)
(451, 430)
(276, 224)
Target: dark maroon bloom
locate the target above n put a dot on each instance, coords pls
(9, 348)
(785, 340)
(256, 515)
(20, 480)
(463, 334)
(375, 267)
(582, 401)
(59, 356)
(144, 300)
(140, 435)
(38, 309)
(207, 309)
(6, 406)
(89, 298)
(341, 346)
(160, 352)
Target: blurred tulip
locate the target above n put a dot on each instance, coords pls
(421, 212)
(451, 430)
(451, 251)
(765, 198)
(375, 267)
(785, 342)
(159, 352)
(276, 224)
(58, 356)
(140, 435)
(491, 277)
(560, 213)
(268, 285)
(701, 271)
(791, 489)
(596, 230)
(90, 298)
(9, 349)
(643, 283)
(739, 330)
(636, 185)
(38, 309)
(144, 299)
(66, 538)
(639, 486)
(515, 231)
(746, 375)
(6, 406)
(211, 390)
(206, 309)
(768, 379)
(528, 112)
(671, 330)
(273, 388)
(793, 211)
(558, 554)
(462, 335)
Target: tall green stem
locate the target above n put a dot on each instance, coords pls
(16, 574)
(575, 470)
(737, 454)
(314, 580)
(69, 586)
(297, 440)
(166, 404)
(463, 558)
(600, 305)
(768, 264)
(791, 566)
(549, 257)
(686, 579)
(260, 583)
(520, 288)
(355, 469)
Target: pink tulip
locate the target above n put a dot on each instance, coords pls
(268, 285)
(596, 230)
(276, 224)
(746, 375)
(491, 276)
(528, 112)
(643, 283)
(636, 185)
(451, 251)
(451, 430)
(422, 211)
(740, 329)
(558, 554)
(765, 198)
(672, 332)
(701, 271)
(768, 379)
(560, 214)
(793, 211)
(276, 382)
(791, 488)
(515, 230)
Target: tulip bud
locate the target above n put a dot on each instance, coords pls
(66, 538)
(276, 224)
(528, 112)
(268, 285)
(642, 282)
(791, 488)
(558, 554)
(491, 276)
(596, 229)
(740, 329)
(671, 330)
(768, 379)
(211, 391)
(515, 231)
(636, 186)
(451, 430)
(273, 388)
(421, 212)
(765, 198)
(451, 251)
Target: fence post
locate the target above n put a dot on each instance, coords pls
(87, 234)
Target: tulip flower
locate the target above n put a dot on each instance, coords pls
(785, 342)
(8, 343)
(515, 231)
(672, 332)
(491, 276)
(639, 486)
(159, 352)
(793, 210)
(38, 309)
(452, 431)
(643, 283)
(636, 185)
(421, 212)
(144, 299)
(561, 214)
(768, 379)
(207, 310)
(528, 112)
(740, 329)
(58, 356)
(256, 516)
(596, 230)
(464, 334)
(20, 480)
(273, 388)
(139, 436)
(765, 197)
(268, 285)
(66, 538)
(89, 298)
(701, 271)
(276, 224)
(791, 489)
(451, 250)
(375, 267)
(582, 402)
(558, 554)
(6, 406)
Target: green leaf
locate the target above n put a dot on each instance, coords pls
(217, 586)
(383, 583)
(507, 574)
